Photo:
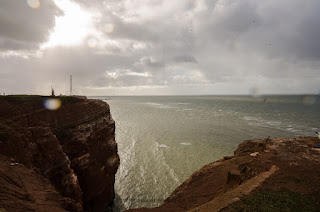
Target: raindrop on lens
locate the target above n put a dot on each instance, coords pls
(92, 42)
(52, 104)
(33, 3)
(255, 92)
(109, 28)
(309, 100)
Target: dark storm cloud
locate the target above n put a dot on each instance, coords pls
(146, 61)
(23, 27)
(284, 29)
(185, 59)
(9, 44)
(307, 44)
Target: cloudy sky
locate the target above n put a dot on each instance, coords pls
(160, 47)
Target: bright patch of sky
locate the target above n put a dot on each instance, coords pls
(73, 27)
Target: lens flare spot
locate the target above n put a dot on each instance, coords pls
(33, 3)
(255, 92)
(309, 100)
(52, 104)
(92, 42)
(109, 28)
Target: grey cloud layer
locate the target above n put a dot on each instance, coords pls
(224, 45)
(23, 27)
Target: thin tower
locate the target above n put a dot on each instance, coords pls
(70, 85)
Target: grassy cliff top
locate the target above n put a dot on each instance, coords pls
(36, 99)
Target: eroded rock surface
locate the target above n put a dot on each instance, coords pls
(73, 147)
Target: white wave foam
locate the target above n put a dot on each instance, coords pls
(292, 129)
(259, 122)
(183, 103)
(170, 170)
(158, 105)
(274, 123)
(162, 146)
(249, 118)
(185, 143)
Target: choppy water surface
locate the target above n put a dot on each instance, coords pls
(163, 140)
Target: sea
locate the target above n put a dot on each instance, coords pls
(162, 140)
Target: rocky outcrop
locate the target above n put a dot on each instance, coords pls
(277, 165)
(23, 189)
(72, 147)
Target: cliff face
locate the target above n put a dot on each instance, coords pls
(282, 172)
(73, 147)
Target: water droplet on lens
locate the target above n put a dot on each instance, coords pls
(109, 28)
(309, 100)
(33, 3)
(92, 42)
(255, 92)
(52, 104)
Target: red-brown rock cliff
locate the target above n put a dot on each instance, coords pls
(73, 147)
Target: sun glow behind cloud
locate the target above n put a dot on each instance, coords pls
(73, 27)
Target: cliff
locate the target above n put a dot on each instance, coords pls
(56, 160)
(263, 175)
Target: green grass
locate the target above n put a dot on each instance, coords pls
(36, 99)
(278, 201)
(291, 178)
(4, 134)
(22, 99)
(69, 99)
(296, 179)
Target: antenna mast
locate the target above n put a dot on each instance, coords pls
(70, 85)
